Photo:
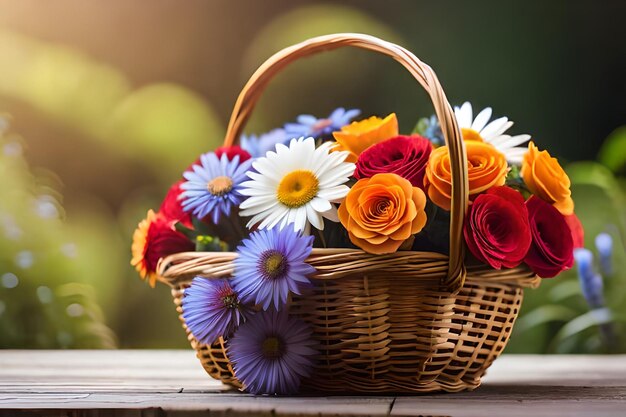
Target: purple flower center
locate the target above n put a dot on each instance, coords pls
(229, 297)
(272, 347)
(219, 186)
(273, 264)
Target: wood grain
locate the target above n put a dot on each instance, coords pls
(173, 384)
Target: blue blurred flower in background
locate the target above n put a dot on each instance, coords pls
(308, 125)
(604, 245)
(430, 128)
(590, 282)
(258, 146)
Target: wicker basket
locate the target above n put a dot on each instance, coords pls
(403, 322)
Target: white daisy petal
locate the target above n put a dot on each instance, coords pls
(320, 204)
(266, 168)
(495, 128)
(290, 218)
(335, 193)
(464, 115)
(515, 159)
(515, 155)
(331, 215)
(314, 218)
(506, 141)
(254, 220)
(481, 119)
(300, 221)
(257, 202)
(339, 174)
(521, 150)
(259, 180)
(252, 192)
(274, 217)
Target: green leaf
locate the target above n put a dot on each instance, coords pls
(564, 290)
(189, 233)
(593, 173)
(544, 314)
(583, 322)
(613, 151)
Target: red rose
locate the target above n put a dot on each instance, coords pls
(496, 228)
(163, 240)
(231, 152)
(171, 208)
(406, 156)
(552, 250)
(578, 233)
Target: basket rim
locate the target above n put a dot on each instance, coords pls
(337, 263)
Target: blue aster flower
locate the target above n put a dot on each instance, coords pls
(310, 126)
(212, 187)
(271, 264)
(271, 353)
(430, 128)
(211, 308)
(258, 146)
(604, 245)
(590, 282)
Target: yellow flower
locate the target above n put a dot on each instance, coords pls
(139, 248)
(545, 178)
(358, 136)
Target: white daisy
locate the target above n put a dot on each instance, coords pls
(296, 185)
(491, 132)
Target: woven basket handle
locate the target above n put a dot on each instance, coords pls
(422, 73)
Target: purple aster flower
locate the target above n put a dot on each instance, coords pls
(258, 146)
(309, 125)
(212, 309)
(271, 353)
(213, 186)
(271, 264)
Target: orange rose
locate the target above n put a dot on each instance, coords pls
(381, 212)
(358, 136)
(486, 168)
(545, 178)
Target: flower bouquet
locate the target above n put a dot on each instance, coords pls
(329, 254)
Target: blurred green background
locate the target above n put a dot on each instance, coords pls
(108, 102)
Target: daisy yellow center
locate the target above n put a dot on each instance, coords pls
(219, 186)
(273, 264)
(272, 347)
(471, 134)
(297, 188)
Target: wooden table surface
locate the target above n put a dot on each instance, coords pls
(172, 383)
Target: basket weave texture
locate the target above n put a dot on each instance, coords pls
(403, 322)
